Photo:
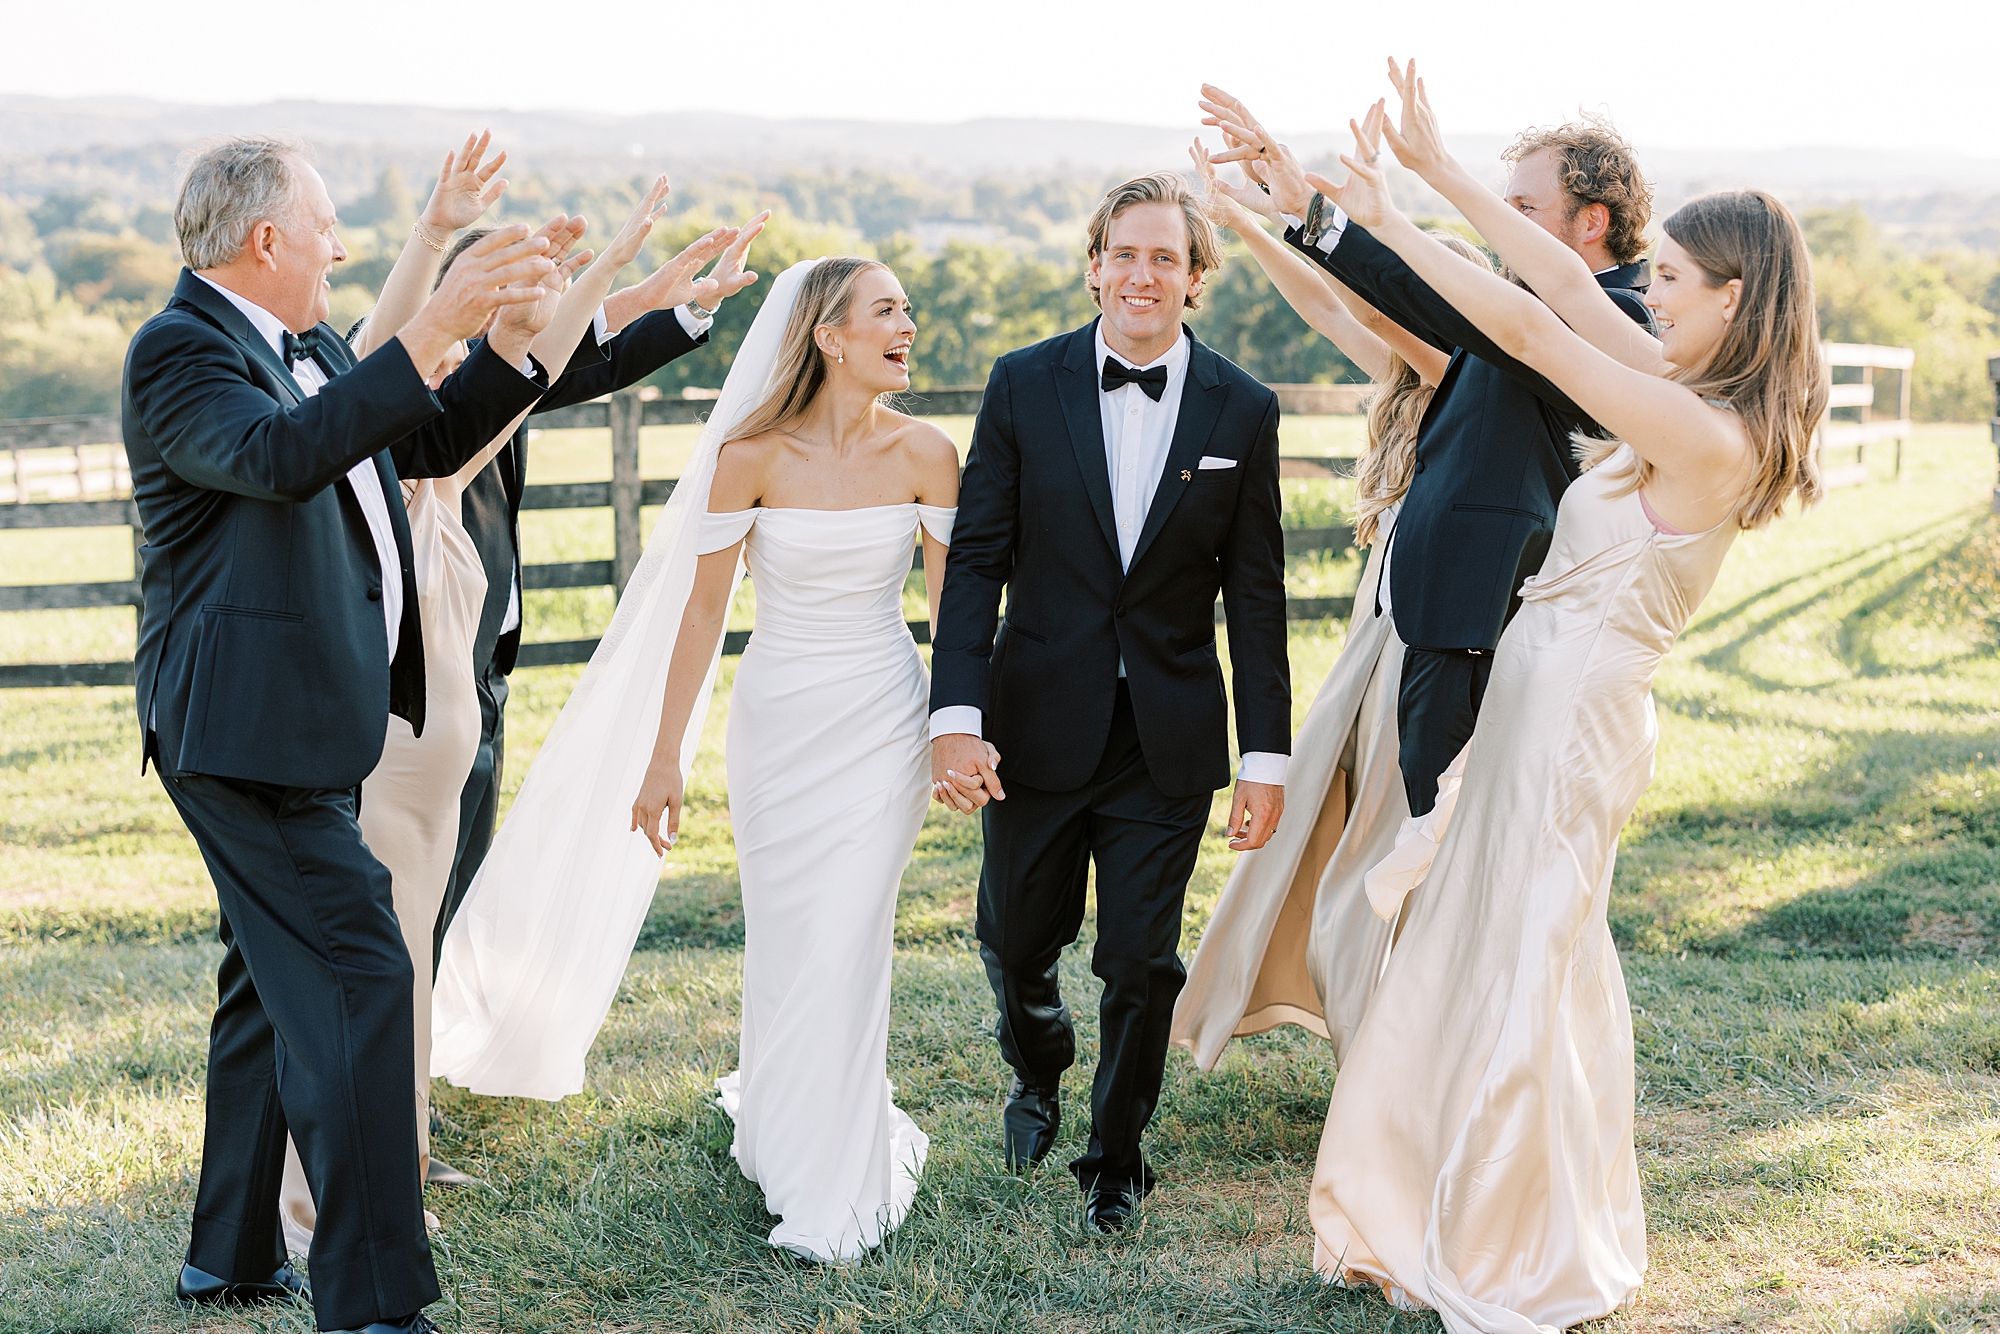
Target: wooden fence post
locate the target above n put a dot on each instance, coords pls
(627, 411)
(1993, 374)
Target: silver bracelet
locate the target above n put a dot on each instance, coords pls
(695, 309)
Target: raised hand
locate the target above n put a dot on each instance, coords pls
(1277, 167)
(623, 248)
(1418, 143)
(1365, 194)
(1227, 204)
(466, 186)
(496, 271)
(729, 277)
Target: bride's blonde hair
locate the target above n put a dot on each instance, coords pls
(825, 299)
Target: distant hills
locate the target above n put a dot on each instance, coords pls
(126, 148)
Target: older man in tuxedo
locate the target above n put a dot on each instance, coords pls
(279, 631)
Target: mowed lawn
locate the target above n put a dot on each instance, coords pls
(1808, 902)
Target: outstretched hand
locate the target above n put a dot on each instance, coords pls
(518, 324)
(623, 248)
(496, 271)
(1276, 166)
(729, 277)
(465, 188)
(1364, 196)
(1228, 204)
(1418, 142)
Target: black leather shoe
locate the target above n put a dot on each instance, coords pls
(411, 1324)
(1109, 1208)
(443, 1174)
(195, 1288)
(1028, 1123)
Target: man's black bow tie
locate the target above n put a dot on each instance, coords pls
(1153, 380)
(300, 347)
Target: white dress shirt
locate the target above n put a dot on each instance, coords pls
(1138, 432)
(367, 483)
(601, 327)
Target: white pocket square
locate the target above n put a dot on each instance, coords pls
(1210, 461)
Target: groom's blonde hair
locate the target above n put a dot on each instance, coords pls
(1161, 187)
(826, 297)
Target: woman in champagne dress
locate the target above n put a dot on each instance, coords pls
(1293, 938)
(1477, 1157)
(410, 802)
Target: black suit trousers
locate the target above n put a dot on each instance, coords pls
(1039, 846)
(478, 804)
(1436, 710)
(312, 1035)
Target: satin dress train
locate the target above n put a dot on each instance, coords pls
(829, 779)
(1293, 940)
(1477, 1157)
(409, 804)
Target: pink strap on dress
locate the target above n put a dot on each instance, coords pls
(1659, 524)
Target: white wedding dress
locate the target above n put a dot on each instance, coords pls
(828, 776)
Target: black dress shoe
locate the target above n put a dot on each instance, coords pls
(1029, 1123)
(195, 1288)
(442, 1173)
(1109, 1208)
(409, 1324)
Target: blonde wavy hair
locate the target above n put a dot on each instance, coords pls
(826, 299)
(1768, 365)
(1394, 414)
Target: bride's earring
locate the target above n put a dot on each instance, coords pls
(840, 358)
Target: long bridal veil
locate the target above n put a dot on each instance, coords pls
(533, 959)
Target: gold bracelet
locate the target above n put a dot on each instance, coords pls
(417, 230)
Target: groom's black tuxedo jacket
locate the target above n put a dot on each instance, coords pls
(1035, 517)
(262, 652)
(1494, 456)
(491, 505)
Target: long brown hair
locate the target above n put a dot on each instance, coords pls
(1768, 365)
(1394, 414)
(826, 298)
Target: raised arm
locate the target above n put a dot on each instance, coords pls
(1555, 273)
(467, 186)
(1700, 452)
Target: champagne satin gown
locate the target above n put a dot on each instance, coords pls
(829, 778)
(1293, 939)
(1477, 1156)
(409, 804)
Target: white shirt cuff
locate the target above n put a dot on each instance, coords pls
(527, 367)
(695, 328)
(1260, 766)
(1331, 237)
(600, 326)
(952, 718)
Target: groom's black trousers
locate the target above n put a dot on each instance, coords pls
(478, 804)
(312, 1035)
(1039, 846)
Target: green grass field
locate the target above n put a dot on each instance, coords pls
(1808, 904)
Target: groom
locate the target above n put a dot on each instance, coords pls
(1121, 476)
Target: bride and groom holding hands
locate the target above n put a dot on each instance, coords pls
(1121, 477)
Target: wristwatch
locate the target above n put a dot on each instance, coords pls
(1316, 220)
(696, 309)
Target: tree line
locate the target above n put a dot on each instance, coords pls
(990, 265)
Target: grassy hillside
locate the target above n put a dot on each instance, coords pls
(1808, 902)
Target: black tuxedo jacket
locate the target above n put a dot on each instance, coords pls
(491, 507)
(262, 654)
(1035, 518)
(1494, 456)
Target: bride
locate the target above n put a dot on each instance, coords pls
(824, 491)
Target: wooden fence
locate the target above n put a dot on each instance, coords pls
(1993, 425)
(72, 459)
(1851, 422)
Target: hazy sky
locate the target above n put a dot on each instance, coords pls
(1914, 74)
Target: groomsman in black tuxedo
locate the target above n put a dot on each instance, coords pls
(1494, 453)
(280, 630)
(1121, 476)
(637, 331)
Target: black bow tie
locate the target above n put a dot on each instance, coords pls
(300, 347)
(1153, 380)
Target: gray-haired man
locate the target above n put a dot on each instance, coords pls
(279, 631)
